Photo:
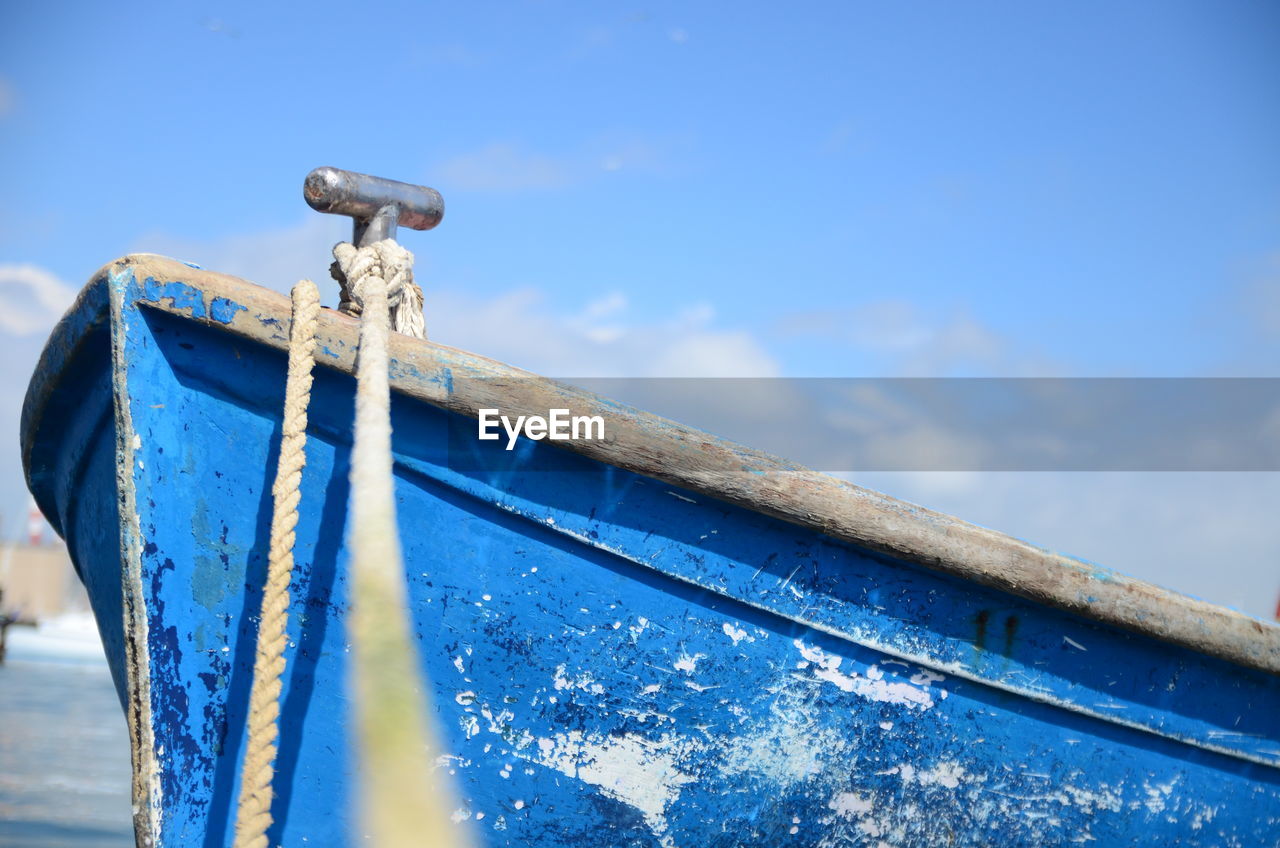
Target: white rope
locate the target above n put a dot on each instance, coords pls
(401, 805)
(404, 297)
(253, 813)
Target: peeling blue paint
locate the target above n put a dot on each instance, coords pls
(223, 310)
(182, 295)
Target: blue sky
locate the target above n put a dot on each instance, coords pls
(834, 189)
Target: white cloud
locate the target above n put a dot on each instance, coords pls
(34, 299)
(898, 435)
(505, 166)
(597, 341)
(910, 342)
(1211, 535)
(276, 258)
(624, 154)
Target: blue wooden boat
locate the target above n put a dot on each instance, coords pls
(654, 639)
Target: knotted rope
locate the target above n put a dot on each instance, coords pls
(404, 297)
(401, 807)
(253, 814)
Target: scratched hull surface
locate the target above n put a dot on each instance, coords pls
(614, 660)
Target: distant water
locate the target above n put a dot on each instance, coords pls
(64, 745)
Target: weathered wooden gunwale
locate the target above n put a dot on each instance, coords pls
(647, 444)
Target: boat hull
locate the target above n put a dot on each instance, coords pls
(611, 659)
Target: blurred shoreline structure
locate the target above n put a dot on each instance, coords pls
(38, 581)
(44, 609)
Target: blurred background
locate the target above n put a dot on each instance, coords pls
(828, 189)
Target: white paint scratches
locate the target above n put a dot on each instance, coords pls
(583, 680)
(451, 762)
(947, 774)
(1073, 643)
(905, 771)
(687, 663)
(1158, 794)
(849, 805)
(785, 752)
(1089, 800)
(681, 497)
(873, 686)
(813, 655)
(1203, 815)
(639, 772)
(499, 723)
(457, 663)
(460, 815)
(852, 806)
(737, 634)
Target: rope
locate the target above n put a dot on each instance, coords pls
(400, 804)
(253, 814)
(403, 294)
